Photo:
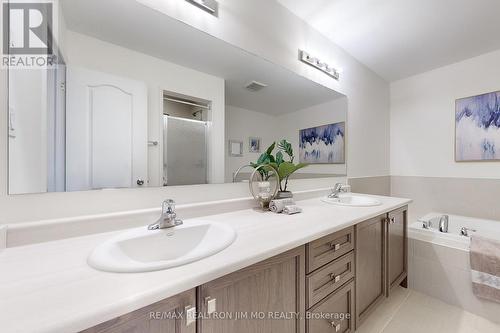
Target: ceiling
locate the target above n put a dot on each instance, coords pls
(148, 31)
(400, 38)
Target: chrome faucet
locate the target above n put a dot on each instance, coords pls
(443, 223)
(168, 218)
(337, 189)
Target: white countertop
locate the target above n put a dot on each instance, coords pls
(48, 287)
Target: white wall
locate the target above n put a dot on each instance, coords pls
(242, 124)
(423, 123)
(159, 76)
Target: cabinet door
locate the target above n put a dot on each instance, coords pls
(257, 298)
(333, 314)
(370, 266)
(397, 251)
(166, 316)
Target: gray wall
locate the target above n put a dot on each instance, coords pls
(475, 197)
(380, 185)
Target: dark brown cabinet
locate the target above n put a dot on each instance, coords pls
(166, 316)
(370, 265)
(397, 248)
(260, 295)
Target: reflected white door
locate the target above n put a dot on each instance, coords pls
(106, 131)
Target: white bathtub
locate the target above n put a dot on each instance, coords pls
(486, 228)
(439, 263)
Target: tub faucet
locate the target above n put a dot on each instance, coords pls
(443, 223)
(168, 218)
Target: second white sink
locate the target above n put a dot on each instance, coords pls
(143, 250)
(352, 200)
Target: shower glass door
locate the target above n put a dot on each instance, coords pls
(184, 151)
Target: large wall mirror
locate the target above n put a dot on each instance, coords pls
(139, 99)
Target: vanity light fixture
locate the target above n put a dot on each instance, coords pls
(316, 63)
(210, 6)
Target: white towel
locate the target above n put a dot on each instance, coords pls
(485, 265)
(292, 209)
(277, 205)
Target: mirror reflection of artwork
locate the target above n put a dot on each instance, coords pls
(254, 145)
(323, 144)
(477, 128)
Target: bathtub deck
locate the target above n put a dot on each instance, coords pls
(412, 312)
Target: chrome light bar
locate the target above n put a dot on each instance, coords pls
(316, 63)
(210, 6)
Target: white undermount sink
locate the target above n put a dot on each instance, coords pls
(352, 200)
(143, 250)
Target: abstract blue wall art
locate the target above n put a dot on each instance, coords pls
(477, 128)
(323, 144)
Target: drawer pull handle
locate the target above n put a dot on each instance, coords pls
(335, 325)
(211, 304)
(335, 246)
(190, 315)
(334, 278)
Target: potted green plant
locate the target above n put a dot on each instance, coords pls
(282, 163)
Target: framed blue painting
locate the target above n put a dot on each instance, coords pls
(477, 128)
(322, 144)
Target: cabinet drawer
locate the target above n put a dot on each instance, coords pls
(325, 280)
(321, 251)
(334, 313)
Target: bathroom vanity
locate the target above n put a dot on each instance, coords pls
(327, 260)
(329, 284)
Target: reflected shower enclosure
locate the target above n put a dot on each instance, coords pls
(184, 142)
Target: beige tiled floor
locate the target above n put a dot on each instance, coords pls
(408, 311)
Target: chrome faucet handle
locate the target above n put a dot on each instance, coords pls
(426, 224)
(464, 231)
(168, 206)
(337, 189)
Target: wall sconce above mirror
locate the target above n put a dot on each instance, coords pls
(210, 6)
(318, 64)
